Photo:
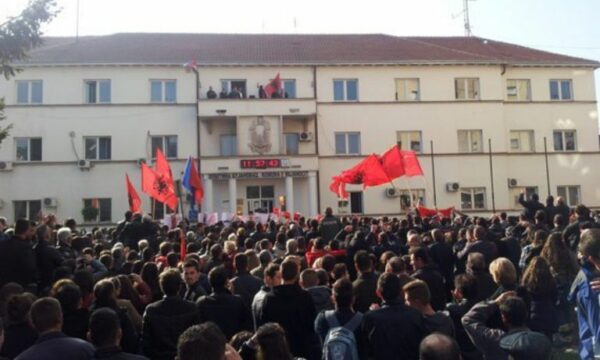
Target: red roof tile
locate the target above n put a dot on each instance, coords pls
(269, 49)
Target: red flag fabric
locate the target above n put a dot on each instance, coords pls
(297, 216)
(368, 172)
(196, 182)
(182, 246)
(161, 166)
(273, 86)
(426, 212)
(447, 213)
(158, 187)
(412, 167)
(135, 203)
(338, 187)
(392, 162)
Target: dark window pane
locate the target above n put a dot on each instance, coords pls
(22, 92)
(289, 86)
(105, 149)
(20, 209)
(36, 92)
(156, 91)
(252, 192)
(105, 209)
(91, 147)
(356, 202)
(159, 210)
(338, 90)
(354, 143)
(171, 146)
(558, 142)
(569, 140)
(351, 90)
(105, 91)
(35, 207)
(340, 143)
(267, 192)
(157, 143)
(565, 90)
(22, 146)
(91, 92)
(554, 95)
(291, 144)
(170, 91)
(36, 149)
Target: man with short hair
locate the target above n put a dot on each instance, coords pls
(478, 243)
(439, 347)
(417, 296)
(244, 284)
(205, 341)
(47, 257)
(17, 258)
(365, 283)
(265, 257)
(223, 308)
(105, 333)
(530, 206)
(166, 319)
(294, 310)
(497, 344)
(63, 239)
(46, 317)
(427, 272)
(191, 276)
(584, 292)
(476, 266)
(465, 295)
(272, 278)
(321, 295)
(395, 330)
(329, 225)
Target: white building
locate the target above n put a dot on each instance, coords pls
(86, 111)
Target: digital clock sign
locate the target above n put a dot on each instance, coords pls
(262, 164)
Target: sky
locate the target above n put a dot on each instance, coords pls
(567, 27)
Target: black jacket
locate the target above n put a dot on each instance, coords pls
(115, 353)
(18, 338)
(164, 321)
(456, 312)
(364, 288)
(435, 282)
(394, 332)
(246, 286)
(226, 310)
(530, 207)
(329, 227)
(293, 309)
(17, 262)
(75, 324)
(48, 259)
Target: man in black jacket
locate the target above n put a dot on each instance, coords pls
(329, 226)
(427, 272)
(48, 257)
(395, 330)
(294, 310)
(17, 259)
(244, 284)
(530, 206)
(194, 287)
(465, 293)
(223, 308)
(365, 284)
(166, 319)
(105, 333)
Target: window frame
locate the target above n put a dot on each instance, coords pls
(292, 81)
(29, 84)
(406, 92)
(413, 196)
(98, 148)
(563, 140)
(465, 80)
(285, 138)
(101, 208)
(346, 135)
(163, 142)
(345, 90)
(30, 216)
(98, 100)
(470, 140)
(229, 81)
(560, 91)
(235, 147)
(520, 149)
(28, 139)
(567, 193)
(399, 142)
(472, 191)
(163, 91)
(518, 99)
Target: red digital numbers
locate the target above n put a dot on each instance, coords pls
(260, 163)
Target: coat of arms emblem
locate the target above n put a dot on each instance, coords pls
(260, 136)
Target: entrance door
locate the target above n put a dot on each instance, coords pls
(241, 85)
(356, 202)
(260, 198)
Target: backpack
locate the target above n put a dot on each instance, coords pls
(340, 343)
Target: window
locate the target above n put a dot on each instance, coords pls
(97, 91)
(522, 141)
(467, 88)
(167, 144)
(518, 90)
(470, 141)
(260, 198)
(516, 191)
(97, 148)
(565, 140)
(292, 143)
(561, 90)
(356, 202)
(28, 149)
(407, 90)
(227, 86)
(345, 90)
(104, 207)
(409, 140)
(472, 198)
(29, 91)
(571, 194)
(410, 198)
(27, 209)
(160, 209)
(289, 88)
(347, 143)
(163, 91)
(228, 144)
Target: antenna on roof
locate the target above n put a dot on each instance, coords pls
(466, 16)
(77, 23)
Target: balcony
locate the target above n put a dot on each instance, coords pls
(255, 107)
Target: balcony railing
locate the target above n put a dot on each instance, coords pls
(255, 107)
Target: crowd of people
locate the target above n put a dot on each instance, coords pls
(466, 287)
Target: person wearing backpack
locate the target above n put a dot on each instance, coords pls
(339, 330)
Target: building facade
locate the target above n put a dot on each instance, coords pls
(87, 112)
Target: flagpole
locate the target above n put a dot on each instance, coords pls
(547, 168)
(492, 176)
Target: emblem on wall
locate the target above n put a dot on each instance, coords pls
(260, 136)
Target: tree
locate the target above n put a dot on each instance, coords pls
(18, 35)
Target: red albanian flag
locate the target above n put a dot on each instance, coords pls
(273, 86)
(158, 187)
(135, 203)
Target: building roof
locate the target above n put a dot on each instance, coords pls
(280, 49)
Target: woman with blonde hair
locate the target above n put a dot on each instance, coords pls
(504, 275)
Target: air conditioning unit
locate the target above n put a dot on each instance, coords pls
(452, 187)
(6, 166)
(306, 136)
(392, 192)
(513, 183)
(50, 202)
(141, 161)
(84, 164)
